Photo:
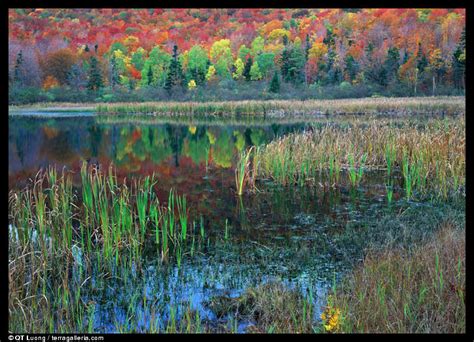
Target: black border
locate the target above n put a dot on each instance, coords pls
(469, 335)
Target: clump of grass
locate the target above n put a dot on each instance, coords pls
(400, 291)
(270, 307)
(356, 172)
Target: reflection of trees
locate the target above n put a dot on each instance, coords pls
(223, 149)
(139, 143)
(160, 147)
(58, 147)
(239, 140)
(96, 134)
(197, 145)
(258, 137)
(124, 146)
(176, 134)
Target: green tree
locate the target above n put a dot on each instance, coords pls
(18, 80)
(297, 63)
(255, 73)
(138, 58)
(257, 46)
(175, 77)
(114, 73)
(275, 83)
(221, 57)
(243, 52)
(266, 62)
(113, 47)
(239, 69)
(197, 64)
(459, 61)
(95, 75)
(392, 64)
(159, 62)
(247, 68)
(285, 64)
(149, 74)
(352, 67)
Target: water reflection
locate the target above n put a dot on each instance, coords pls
(135, 149)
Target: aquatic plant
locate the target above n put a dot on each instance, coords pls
(242, 170)
(356, 172)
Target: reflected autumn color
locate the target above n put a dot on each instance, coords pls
(197, 160)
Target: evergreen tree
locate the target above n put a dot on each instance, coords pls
(255, 73)
(459, 61)
(275, 84)
(285, 64)
(95, 75)
(352, 67)
(296, 66)
(77, 77)
(175, 76)
(149, 76)
(421, 60)
(247, 68)
(18, 65)
(307, 46)
(391, 65)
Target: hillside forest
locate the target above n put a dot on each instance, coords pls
(109, 55)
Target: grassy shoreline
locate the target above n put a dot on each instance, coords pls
(280, 108)
(402, 106)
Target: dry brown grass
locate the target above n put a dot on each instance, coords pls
(422, 291)
(282, 108)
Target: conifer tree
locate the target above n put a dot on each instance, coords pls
(275, 84)
(95, 75)
(247, 68)
(18, 65)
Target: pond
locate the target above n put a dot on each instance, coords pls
(293, 235)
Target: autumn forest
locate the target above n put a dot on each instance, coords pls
(109, 55)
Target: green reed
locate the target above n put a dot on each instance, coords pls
(183, 215)
(410, 172)
(242, 170)
(356, 170)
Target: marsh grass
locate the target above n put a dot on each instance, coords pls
(429, 154)
(271, 307)
(282, 108)
(421, 290)
(102, 225)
